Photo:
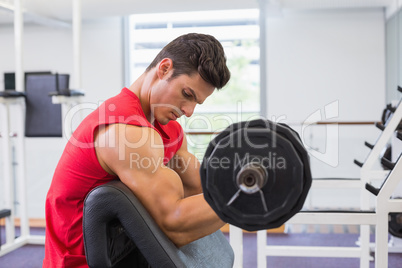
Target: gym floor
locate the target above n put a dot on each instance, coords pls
(313, 235)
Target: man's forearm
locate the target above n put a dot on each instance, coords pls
(194, 219)
(188, 168)
(190, 191)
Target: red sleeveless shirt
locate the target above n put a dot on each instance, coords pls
(79, 171)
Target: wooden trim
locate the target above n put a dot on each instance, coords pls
(279, 230)
(33, 222)
(201, 132)
(345, 123)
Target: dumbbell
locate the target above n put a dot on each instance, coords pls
(256, 174)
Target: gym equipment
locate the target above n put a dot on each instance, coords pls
(256, 174)
(43, 118)
(119, 232)
(4, 213)
(387, 151)
(14, 182)
(9, 79)
(49, 99)
(395, 224)
(24, 118)
(69, 99)
(262, 194)
(385, 206)
(63, 87)
(13, 243)
(387, 114)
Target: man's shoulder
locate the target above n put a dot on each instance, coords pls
(132, 136)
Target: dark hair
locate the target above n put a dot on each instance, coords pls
(200, 53)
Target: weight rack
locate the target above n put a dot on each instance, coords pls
(366, 217)
(7, 100)
(70, 101)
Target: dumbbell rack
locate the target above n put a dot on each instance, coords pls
(12, 243)
(383, 206)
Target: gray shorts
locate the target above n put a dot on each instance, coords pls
(211, 251)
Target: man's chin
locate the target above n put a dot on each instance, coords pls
(163, 121)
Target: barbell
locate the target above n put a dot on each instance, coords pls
(256, 174)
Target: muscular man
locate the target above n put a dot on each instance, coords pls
(134, 137)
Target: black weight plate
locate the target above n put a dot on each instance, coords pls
(247, 211)
(211, 147)
(293, 136)
(279, 200)
(395, 224)
(245, 208)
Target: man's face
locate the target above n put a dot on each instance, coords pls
(173, 98)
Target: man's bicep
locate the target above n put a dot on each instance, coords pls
(120, 146)
(158, 187)
(138, 162)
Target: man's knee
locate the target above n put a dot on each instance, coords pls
(213, 250)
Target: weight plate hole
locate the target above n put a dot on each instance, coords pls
(249, 181)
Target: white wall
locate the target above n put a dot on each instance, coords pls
(319, 58)
(51, 49)
(315, 58)
(394, 56)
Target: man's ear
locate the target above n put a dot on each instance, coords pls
(165, 67)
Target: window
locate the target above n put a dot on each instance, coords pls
(238, 31)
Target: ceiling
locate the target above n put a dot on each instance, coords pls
(61, 10)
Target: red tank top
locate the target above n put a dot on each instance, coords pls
(79, 171)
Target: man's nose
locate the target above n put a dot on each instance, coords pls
(188, 110)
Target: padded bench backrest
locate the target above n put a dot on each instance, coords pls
(116, 226)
